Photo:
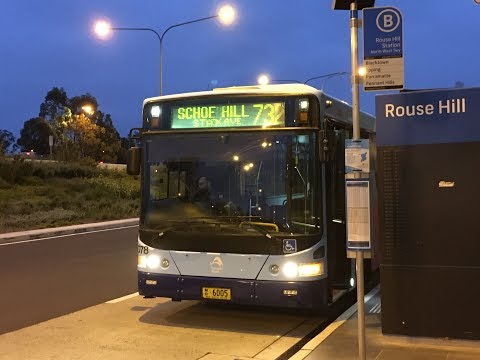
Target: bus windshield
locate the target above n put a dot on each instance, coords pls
(250, 181)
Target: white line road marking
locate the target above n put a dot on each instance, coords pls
(75, 234)
(126, 297)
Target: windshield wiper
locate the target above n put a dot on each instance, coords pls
(173, 225)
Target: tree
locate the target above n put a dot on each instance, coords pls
(34, 136)
(109, 139)
(122, 154)
(86, 135)
(54, 104)
(7, 142)
(76, 132)
(64, 136)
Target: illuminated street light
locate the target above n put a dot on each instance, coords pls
(88, 109)
(103, 29)
(264, 79)
(226, 16)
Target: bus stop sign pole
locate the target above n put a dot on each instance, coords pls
(356, 136)
(354, 6)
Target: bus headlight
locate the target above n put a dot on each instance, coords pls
(290, 269)
(310, 269)
(153, 261)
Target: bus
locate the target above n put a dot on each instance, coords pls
(243, 195)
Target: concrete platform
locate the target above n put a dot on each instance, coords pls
(339, 341)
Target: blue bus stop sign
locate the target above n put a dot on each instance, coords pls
(382, 33)
(383, 48)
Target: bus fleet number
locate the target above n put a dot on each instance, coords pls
(142, 250)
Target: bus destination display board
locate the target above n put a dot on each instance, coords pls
(265, 114)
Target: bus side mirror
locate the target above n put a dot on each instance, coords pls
(134, 155)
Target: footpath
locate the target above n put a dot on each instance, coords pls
(339, 340)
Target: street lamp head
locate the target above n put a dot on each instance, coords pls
(103, 29)
(263, 79)
(227, 14)
(362, 71)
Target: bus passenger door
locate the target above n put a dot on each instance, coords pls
(339, 266)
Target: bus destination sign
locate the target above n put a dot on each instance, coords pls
(228, 115)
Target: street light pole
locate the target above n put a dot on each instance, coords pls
(161, 43)
(264, 79)
(327, 76)
(226, 14)
(159, 39)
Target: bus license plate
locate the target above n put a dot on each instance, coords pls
(216, 293)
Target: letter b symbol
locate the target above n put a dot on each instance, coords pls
(387, 21)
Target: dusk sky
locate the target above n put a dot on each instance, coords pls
(50, 43)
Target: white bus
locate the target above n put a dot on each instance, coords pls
(243, 195)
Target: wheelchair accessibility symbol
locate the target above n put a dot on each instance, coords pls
(289, 246)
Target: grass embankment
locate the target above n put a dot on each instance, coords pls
(35, 195)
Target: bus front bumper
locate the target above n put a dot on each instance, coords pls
(291, 294)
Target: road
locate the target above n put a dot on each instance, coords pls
(46, 278)
(56, 302)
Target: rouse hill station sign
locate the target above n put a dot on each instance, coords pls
(428, 117)
(383, 48)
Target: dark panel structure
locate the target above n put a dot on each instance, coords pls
(429, 196)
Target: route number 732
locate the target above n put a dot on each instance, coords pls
(268, 114)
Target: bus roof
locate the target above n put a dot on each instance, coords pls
(287, 89)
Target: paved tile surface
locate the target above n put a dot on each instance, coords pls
(342, 343)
